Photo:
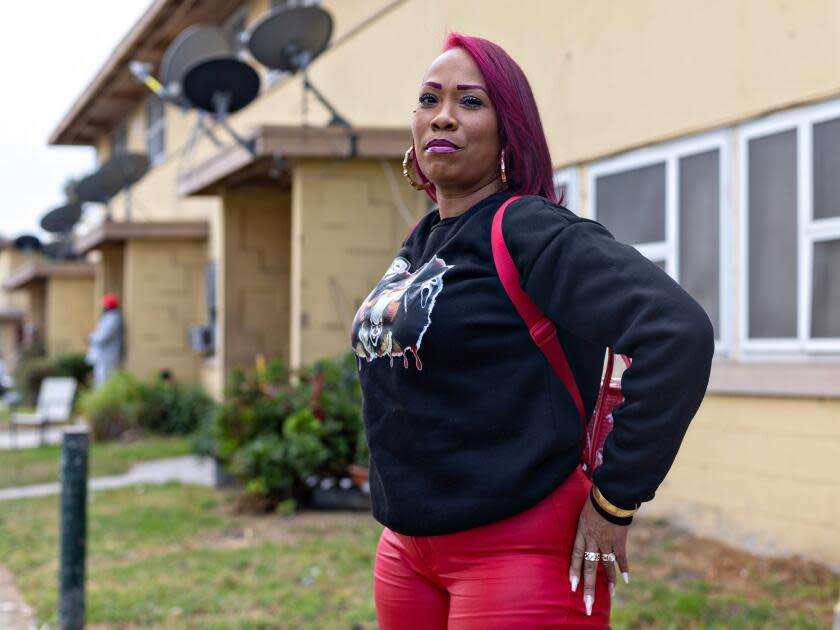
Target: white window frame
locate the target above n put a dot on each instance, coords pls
(808, 229)
(668, 250)
(568, 177)
(153, 128)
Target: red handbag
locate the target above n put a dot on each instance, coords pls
(544, 334)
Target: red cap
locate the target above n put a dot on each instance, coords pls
(110, 301)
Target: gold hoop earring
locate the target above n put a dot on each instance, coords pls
(414, 184)
(504, 174)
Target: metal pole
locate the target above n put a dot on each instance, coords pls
(74, 474)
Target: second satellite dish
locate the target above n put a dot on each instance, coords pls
(62, 219)
(193, 45)
(200, 66)
(289, 39)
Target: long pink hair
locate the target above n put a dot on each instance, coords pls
(521, 135)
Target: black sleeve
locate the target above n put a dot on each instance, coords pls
(607, 293)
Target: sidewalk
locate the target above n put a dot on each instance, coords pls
(14, 612)
(189, 469)
(29, 438)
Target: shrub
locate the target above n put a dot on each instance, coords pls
(273, 435)
(115, 407)
(125, 402)
(172, 409)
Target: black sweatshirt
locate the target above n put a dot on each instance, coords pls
(466, 421)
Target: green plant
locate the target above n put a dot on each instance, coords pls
(114, 407)
(173, 409)
(273, 434)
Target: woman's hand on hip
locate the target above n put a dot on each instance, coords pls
(595, 533)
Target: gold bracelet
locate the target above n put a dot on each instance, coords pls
(609, 507)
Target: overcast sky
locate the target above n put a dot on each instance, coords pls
(49, 52)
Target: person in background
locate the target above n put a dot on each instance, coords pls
(105, 343)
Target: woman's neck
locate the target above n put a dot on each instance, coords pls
(452, 203)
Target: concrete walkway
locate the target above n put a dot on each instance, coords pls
(29, 438)
(14, 612)
(189, 469)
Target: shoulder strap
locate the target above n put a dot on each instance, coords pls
(542, 329)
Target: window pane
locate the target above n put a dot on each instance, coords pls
(772, 235)
(699, 198)
(827, 169)
(825, 316)
(631, 204)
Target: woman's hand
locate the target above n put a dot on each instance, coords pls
(595, 533)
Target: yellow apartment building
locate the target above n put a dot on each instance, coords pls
(705, 134)
(59, 299)
(13, 307)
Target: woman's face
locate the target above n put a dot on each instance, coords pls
(456, 137)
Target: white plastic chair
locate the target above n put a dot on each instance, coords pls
(55, 406)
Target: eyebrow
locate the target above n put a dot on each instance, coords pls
(460, 86)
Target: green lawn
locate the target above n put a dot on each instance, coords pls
(179, 557)
(41, 465)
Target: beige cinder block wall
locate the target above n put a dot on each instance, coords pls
(36, 315)
(253, 277)
(349, 219)
(9, 333)
(163, 288)
(109, 271)
(761, 474)
(69, 313)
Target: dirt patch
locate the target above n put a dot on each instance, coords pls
(667, 553)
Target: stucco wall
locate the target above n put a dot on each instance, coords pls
(254, 277)
(163, 296)
(349, 219)
(759, 473)
(69, 313)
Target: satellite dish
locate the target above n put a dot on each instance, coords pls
(289, 39)
(95, 188)
(221, 86)
(27, 243)
(124, 170)
(193, 45)
(119, 173)
(62, 219)
(60, 250)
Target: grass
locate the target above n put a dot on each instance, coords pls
(41, 465)
(178, 557)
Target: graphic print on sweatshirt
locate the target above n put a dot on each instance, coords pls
(394, 317)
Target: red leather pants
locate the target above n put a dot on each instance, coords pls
(508, 575)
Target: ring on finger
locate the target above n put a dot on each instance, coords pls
(592, 556)
(608, 557)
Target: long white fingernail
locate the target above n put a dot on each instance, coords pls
(612, 589)
(588, 600)
(626, 577)
(575, 579)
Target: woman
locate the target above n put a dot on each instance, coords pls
(474, 442)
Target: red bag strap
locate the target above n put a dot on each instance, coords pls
(542, 329)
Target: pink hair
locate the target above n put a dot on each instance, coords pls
(521, 135)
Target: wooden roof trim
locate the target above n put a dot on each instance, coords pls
(10, 315)
(147, 41)
(34, 271)
(119, 232)
(292, 142)
(106, 72)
